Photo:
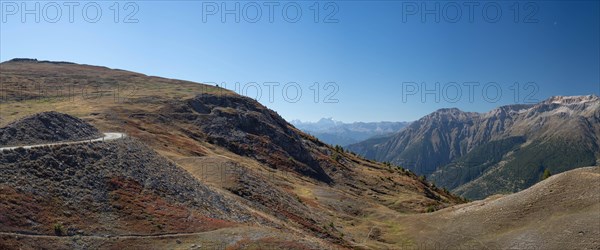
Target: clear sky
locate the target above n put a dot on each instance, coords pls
(372, 59)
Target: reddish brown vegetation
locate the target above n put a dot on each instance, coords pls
(147, 213)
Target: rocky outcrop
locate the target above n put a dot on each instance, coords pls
(247, 128)
(46, 127)
(31, 60)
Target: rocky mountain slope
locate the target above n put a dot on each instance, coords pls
(46, 127)
(287, 188)
(88, 186)
(343, 134)
(504, 150)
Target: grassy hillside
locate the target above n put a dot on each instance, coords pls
(558, 213)
(234, 145)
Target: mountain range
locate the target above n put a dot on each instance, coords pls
(343, 134)
(201, 167)
(502, 151)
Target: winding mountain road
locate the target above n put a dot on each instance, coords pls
(106, 137)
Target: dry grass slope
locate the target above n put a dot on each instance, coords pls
(249, 185)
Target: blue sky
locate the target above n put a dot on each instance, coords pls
(372, 60)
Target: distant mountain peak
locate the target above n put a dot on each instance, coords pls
(449, 114)
(449, 110)
(446, 111)
(328, 121)
(339, 133)
(568, 100)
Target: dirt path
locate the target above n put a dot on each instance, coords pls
(106, 137)
(45, 236)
